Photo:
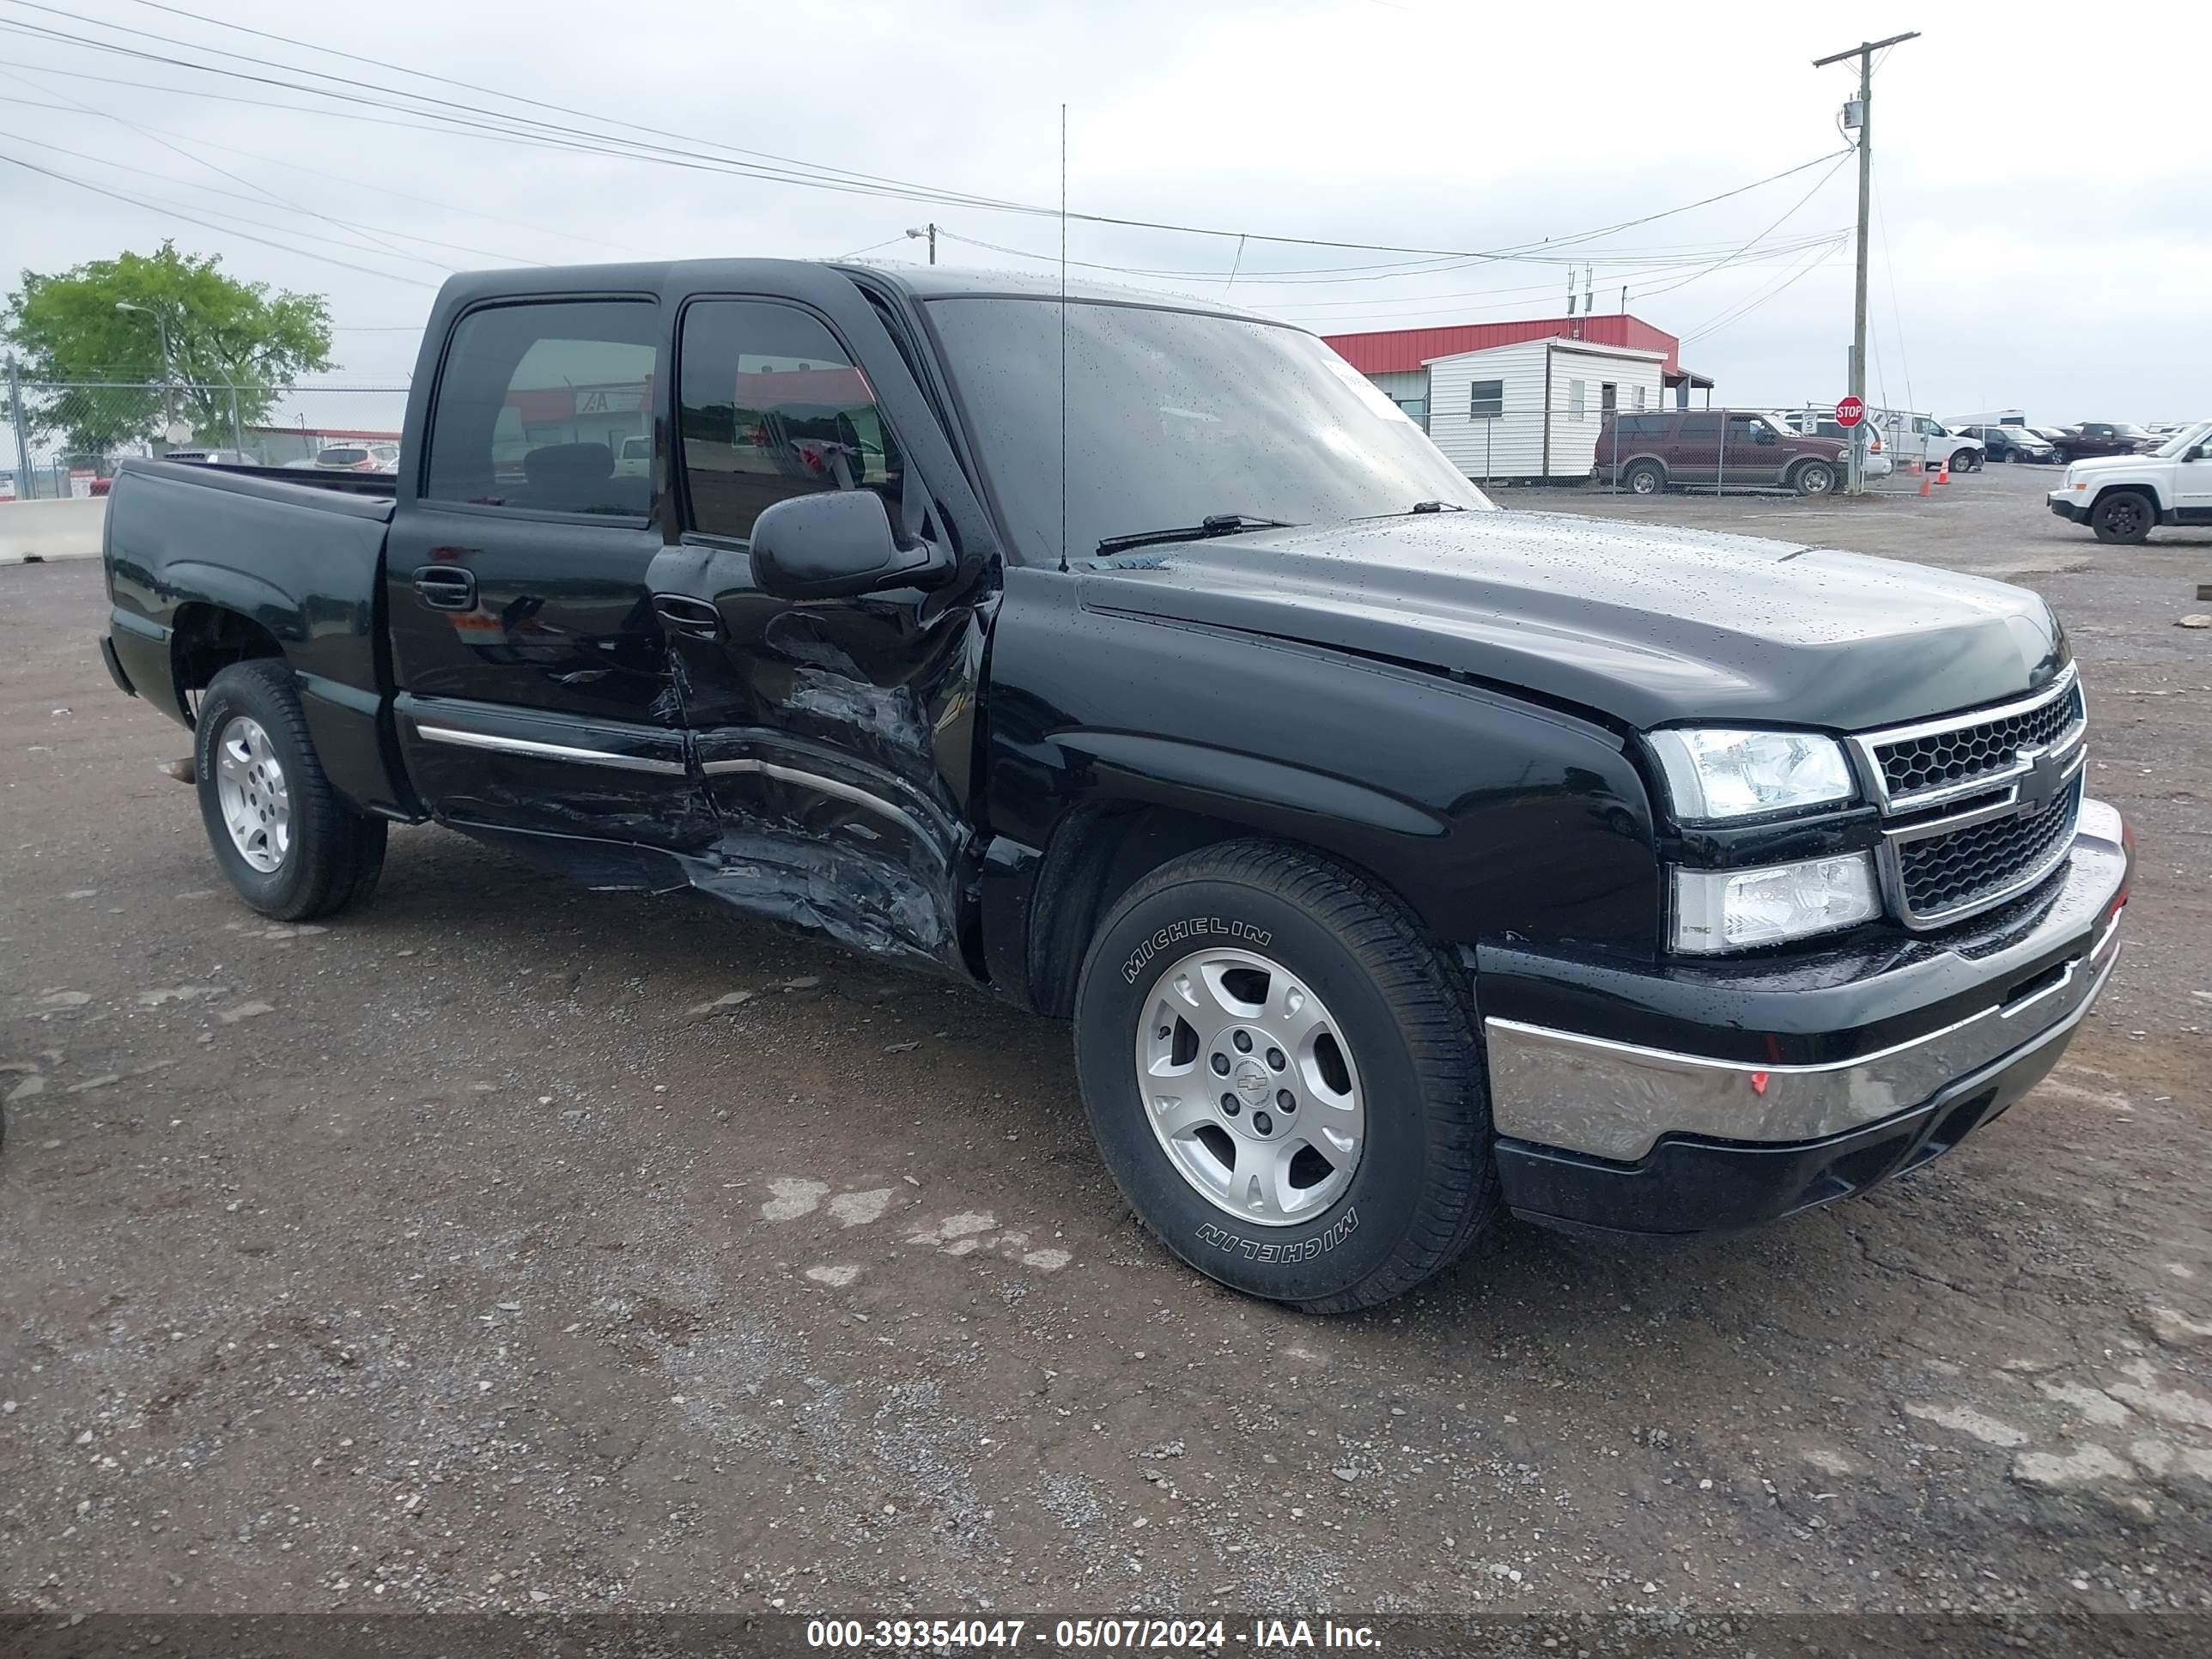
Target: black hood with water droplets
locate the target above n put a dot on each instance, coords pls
(1644, 624)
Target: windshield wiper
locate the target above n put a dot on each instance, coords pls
(1219, 524)
(1435, 506)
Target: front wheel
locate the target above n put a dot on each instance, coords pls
(288, 844)
(1965, 461)
(2125, 516)
(1283, 1076)
(1813, 478)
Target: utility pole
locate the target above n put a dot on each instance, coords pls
(1855, 479)
(28, 484)
(162, 323)
(930, 231)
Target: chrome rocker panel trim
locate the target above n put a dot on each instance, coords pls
(546, 750)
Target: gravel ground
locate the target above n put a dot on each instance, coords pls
(478, 1252)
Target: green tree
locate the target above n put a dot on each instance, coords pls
(223, 335)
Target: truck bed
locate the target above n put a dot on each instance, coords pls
(295, 555)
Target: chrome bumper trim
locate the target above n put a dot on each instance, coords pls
(1614, 1100)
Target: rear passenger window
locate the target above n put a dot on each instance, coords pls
(768, 406)
(1700, 429)
(548, 408)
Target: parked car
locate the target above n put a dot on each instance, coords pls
(1715, 448)
(634, 459)
(2124, 497)
(352, 457)
(2094, 438)
(2012, 443)
(1400, 862)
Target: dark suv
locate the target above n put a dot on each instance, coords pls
(1714, 449)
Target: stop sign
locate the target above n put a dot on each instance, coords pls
(1850, 412)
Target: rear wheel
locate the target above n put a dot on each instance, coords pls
(1644, 478)
(1283, 1076)
(1813, 478)
(2124, 516)
(289, 846)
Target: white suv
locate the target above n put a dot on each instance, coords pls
(2124, 497)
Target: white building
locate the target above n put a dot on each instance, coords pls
(1533, 409)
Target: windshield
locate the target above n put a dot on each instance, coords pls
(1174, 418)
(2200, 433)
(341, 457)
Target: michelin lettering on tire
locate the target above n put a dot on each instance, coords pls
(1176, 932)
(1304, 1250)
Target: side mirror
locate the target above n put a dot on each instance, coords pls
(2194, 452)
(833, 544)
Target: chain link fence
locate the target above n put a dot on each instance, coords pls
(62, 439)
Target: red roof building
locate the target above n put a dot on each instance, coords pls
(1405, 350)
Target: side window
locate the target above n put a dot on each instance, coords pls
(768, 406)
(537, 402)
(1700, 429)
(1486, 399)
(1575, 402)
(1744, 430)
(1639, 397)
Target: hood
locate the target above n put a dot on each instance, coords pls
(1641, 624)
(2095, 464)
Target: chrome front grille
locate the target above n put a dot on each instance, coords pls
(1977, 807)
(1929, 763)
(1951, 873)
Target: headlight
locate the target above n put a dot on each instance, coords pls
(1735, 909)
(1713, 775)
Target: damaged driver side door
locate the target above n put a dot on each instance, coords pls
(835, 737)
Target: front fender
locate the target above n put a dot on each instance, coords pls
(1494, 817)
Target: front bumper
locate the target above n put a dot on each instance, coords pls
(2067, 504)
(1600, 1133)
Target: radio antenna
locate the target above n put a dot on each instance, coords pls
(1063, 339)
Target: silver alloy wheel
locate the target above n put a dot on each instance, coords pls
(249, 783)
(1250, 1086)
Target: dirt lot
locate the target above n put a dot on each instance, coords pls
(449, 1258)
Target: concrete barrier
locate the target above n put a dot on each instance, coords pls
(51, 529)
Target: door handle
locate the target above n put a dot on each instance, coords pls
(682, 614)
(446, 587)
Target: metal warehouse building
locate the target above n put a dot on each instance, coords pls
(1523, 400)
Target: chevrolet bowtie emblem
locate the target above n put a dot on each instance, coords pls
(2045, 777)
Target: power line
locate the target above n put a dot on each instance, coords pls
(155, 207)
(1903, 358)
(492, 91)
(197, 160)
(1750, 306)
(78, 105)
(553, 135)
(344, 224)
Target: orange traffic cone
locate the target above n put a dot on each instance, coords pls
(1944, 477)
(1925, 481)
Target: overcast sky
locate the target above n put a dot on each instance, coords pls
(2044, 174)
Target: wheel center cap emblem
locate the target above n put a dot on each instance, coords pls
(1251, 1080)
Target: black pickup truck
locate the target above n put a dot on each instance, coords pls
(1400, 862)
